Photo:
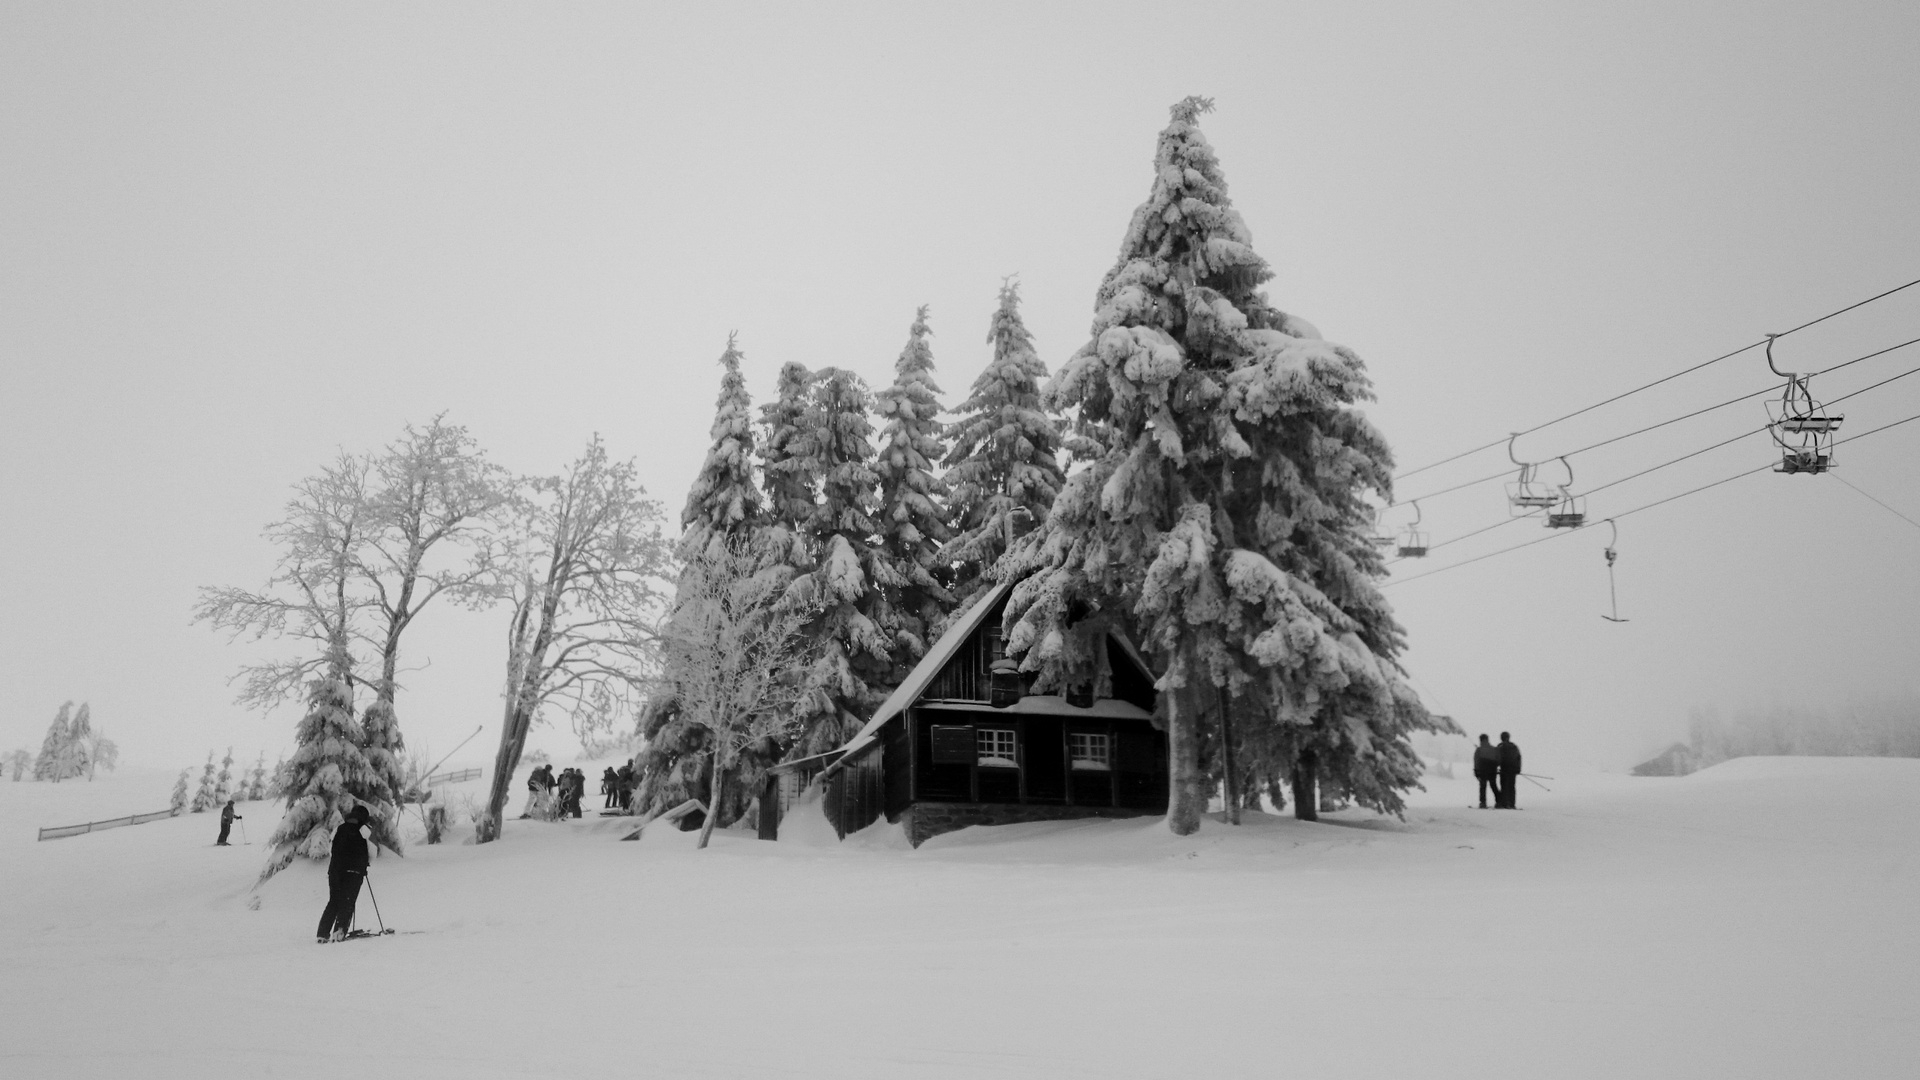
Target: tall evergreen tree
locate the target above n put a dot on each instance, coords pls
(912, 523)
(725, 511)
(329, 775)
(854, 634)
(179, 803)
(51, 764)
(1006, 452)
(1223, 512)
(77, 756)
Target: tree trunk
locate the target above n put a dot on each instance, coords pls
(513, 739)
(1306, 799)
(715, 790)
(770, 808)
(1186, 787)
(1230, 796)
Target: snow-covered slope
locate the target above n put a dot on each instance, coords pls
(1755, 919)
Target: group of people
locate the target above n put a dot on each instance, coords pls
(1497, 767)
(550, 797)
(617, 785)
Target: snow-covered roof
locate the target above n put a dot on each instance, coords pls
(929, 666)
(935, 661)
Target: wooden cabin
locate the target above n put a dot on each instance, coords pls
(944, 751)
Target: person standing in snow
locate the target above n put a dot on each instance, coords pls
(609, 787)
(1509, 772)
(626, 786)
(345, 872)
(227, 818)
(1486, 769)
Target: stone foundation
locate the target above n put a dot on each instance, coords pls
(923, 821)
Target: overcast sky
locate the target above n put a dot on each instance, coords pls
(237, 238)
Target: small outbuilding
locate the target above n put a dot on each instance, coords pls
(961, 743)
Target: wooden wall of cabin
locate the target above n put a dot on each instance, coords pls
(1136, 778)
(854, 797)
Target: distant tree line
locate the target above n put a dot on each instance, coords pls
(72, 748)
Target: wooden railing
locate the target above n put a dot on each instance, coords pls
(459, 776)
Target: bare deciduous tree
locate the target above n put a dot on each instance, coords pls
(735, 653)
(310, 595)
(587, 594)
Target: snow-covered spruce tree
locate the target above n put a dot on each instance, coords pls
(17, 762)
(854, 633)
(223, 784)
(912, 519)
(1222, 512)
(203, 795)
(278, 780)
(786, 453)
(1005, 455)
(725, 516)
(76, 758)
(257, 779)
(179, 803)
(329, 775)
(51, 764)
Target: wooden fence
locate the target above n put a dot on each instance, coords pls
(460, 776)
(59, 831)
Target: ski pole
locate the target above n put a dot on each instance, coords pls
(1537, 783)
(243, 835)
(376, 904)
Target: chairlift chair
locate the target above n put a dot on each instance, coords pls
(1413, 542)
(1801, 426)
(1527, 493)
(1570, 510)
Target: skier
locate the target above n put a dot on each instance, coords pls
(626, 786)
(345, 872)
(227, 818)
(1509, 773)
(609, 787)
(1486, 769)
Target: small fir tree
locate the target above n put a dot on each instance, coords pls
(912, 519)
(179, 803)
(383, 746)
(277, 781)
(257, 779)
(1006, 452)
(329, 775)
(223, 784)
(18, 762)
(203, 795)
(51, 764)
(76, 757)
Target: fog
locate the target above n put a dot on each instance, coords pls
(235, 239)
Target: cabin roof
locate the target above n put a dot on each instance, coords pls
(949, 643)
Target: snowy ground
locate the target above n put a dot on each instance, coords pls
(1754, 920)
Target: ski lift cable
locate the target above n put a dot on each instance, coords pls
(1883, 506)
(1693, 454)
(1674, 420)
(1637, 509)
(1663, 379)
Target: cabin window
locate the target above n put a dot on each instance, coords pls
(995, 747)
(1089, 751)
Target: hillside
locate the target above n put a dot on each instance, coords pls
(1754, 919)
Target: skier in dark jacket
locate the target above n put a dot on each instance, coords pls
(1486, 769)
(345, 872)
(610, 787)
(227, 818)
(1509, 772)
